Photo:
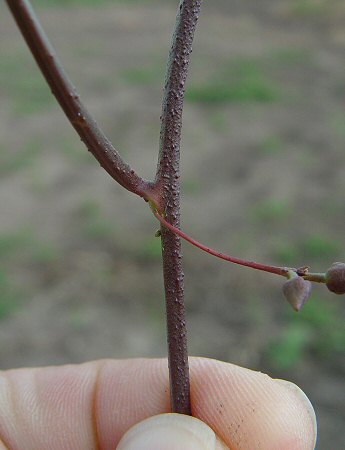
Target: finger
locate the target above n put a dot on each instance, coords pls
(250, 410)
(171, 432)
(96, 403)
(85, 406)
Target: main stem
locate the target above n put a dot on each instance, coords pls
(164, 192)
(168, 183)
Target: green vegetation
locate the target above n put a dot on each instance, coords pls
(309, 7)
(25, 243)
(143, 75)
(14, 242)
(221, 91)
(24, 157)
(337, 123)
(292, 344)
(271, 145)
(314, 248)
(24, 85)
(319, 247)
(190, 185)
(75, 151)
(44, 253)
(8, 296)
(290, 56)
(94, 224)
(241, 81)
(89, 209)
(271, 210)
(218, 119)
(317, 329)
(149, 249)
(286, 253)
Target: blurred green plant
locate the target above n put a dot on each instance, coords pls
(28, 246)
(221, 91)
(317, 329)
(319, 246)
(72, 149)
(271, 145)
(218, 119)
(191, 185)
(143, 75)
(315, 248)
(44, 253)
(309, 7)
(26, 89)
(240, 81)
(13, 242)
(8, 296)
(286, 252)
(290, 56)
(149, 250)
(287, 350)
(271, 210)
(94, 223)
(24, 157)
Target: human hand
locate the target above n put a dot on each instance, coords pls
(93, 405)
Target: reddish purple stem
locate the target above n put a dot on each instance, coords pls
(85, 125)
(242, 262)
(164, 191)
(168, 184)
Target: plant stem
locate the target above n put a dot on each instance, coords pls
(85, 125)
(315, 277)
(277, 270)
(168, 183)
(164, 192)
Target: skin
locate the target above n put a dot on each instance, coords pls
(92, 405)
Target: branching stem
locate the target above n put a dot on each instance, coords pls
(164, 192)
(277, 270)
(85, 125)
(287, 272)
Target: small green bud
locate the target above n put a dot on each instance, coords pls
(335, 278)
(297, 291)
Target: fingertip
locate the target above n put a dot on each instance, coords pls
(299, 396)
(248, 409)
(171, 432)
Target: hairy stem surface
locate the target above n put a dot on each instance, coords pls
(168, 183)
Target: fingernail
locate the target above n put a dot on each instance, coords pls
(169, 432)
(297, 391)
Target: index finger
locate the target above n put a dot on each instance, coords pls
(94, 404)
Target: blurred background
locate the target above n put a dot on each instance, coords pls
(263, 177)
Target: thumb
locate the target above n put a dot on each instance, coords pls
(171, 432)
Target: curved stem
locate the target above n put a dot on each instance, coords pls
(168, 184)
(85, 125)
(277, 270)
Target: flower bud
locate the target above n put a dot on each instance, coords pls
(296, 291)
(335, 278)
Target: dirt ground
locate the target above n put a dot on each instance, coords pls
(263, 177)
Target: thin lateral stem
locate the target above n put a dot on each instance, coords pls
(168, 184)
(315, 277)
(283, 271)
(82, 121)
